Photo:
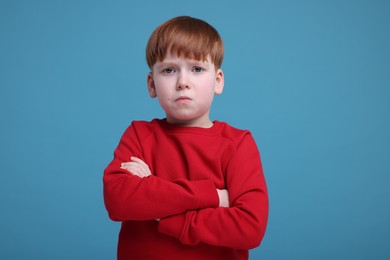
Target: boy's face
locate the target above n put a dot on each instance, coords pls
(185, 89)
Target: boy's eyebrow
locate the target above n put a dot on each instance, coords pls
(199, 61)
(165, 64)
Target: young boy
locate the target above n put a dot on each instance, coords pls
(186, 187)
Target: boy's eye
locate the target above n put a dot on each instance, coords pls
(198, 69)
(168, 70)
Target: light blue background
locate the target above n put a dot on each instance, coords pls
(310, 79)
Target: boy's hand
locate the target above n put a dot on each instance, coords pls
(223, 198)
(136, 167)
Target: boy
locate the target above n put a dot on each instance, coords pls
(186, 187)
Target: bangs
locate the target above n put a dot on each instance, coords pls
(185, 37)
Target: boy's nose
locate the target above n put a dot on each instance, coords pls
(182, 82)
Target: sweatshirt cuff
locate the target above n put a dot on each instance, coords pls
(206, 194)
(172, 226)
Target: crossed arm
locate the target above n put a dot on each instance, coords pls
(139, 168)
(244, 220)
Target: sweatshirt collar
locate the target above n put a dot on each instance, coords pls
(213, 130)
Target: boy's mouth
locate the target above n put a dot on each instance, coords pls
(182, 99)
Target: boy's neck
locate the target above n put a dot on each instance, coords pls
(191, 123)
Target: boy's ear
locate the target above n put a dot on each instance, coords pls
(151, 86)
(219, 82)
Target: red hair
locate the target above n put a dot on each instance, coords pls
(186, 37)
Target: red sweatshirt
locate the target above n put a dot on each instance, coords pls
(188, 164)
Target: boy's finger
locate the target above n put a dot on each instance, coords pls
(136, 159)
(125, 163)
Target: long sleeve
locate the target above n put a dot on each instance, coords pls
(129, 197)
(242, 226)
